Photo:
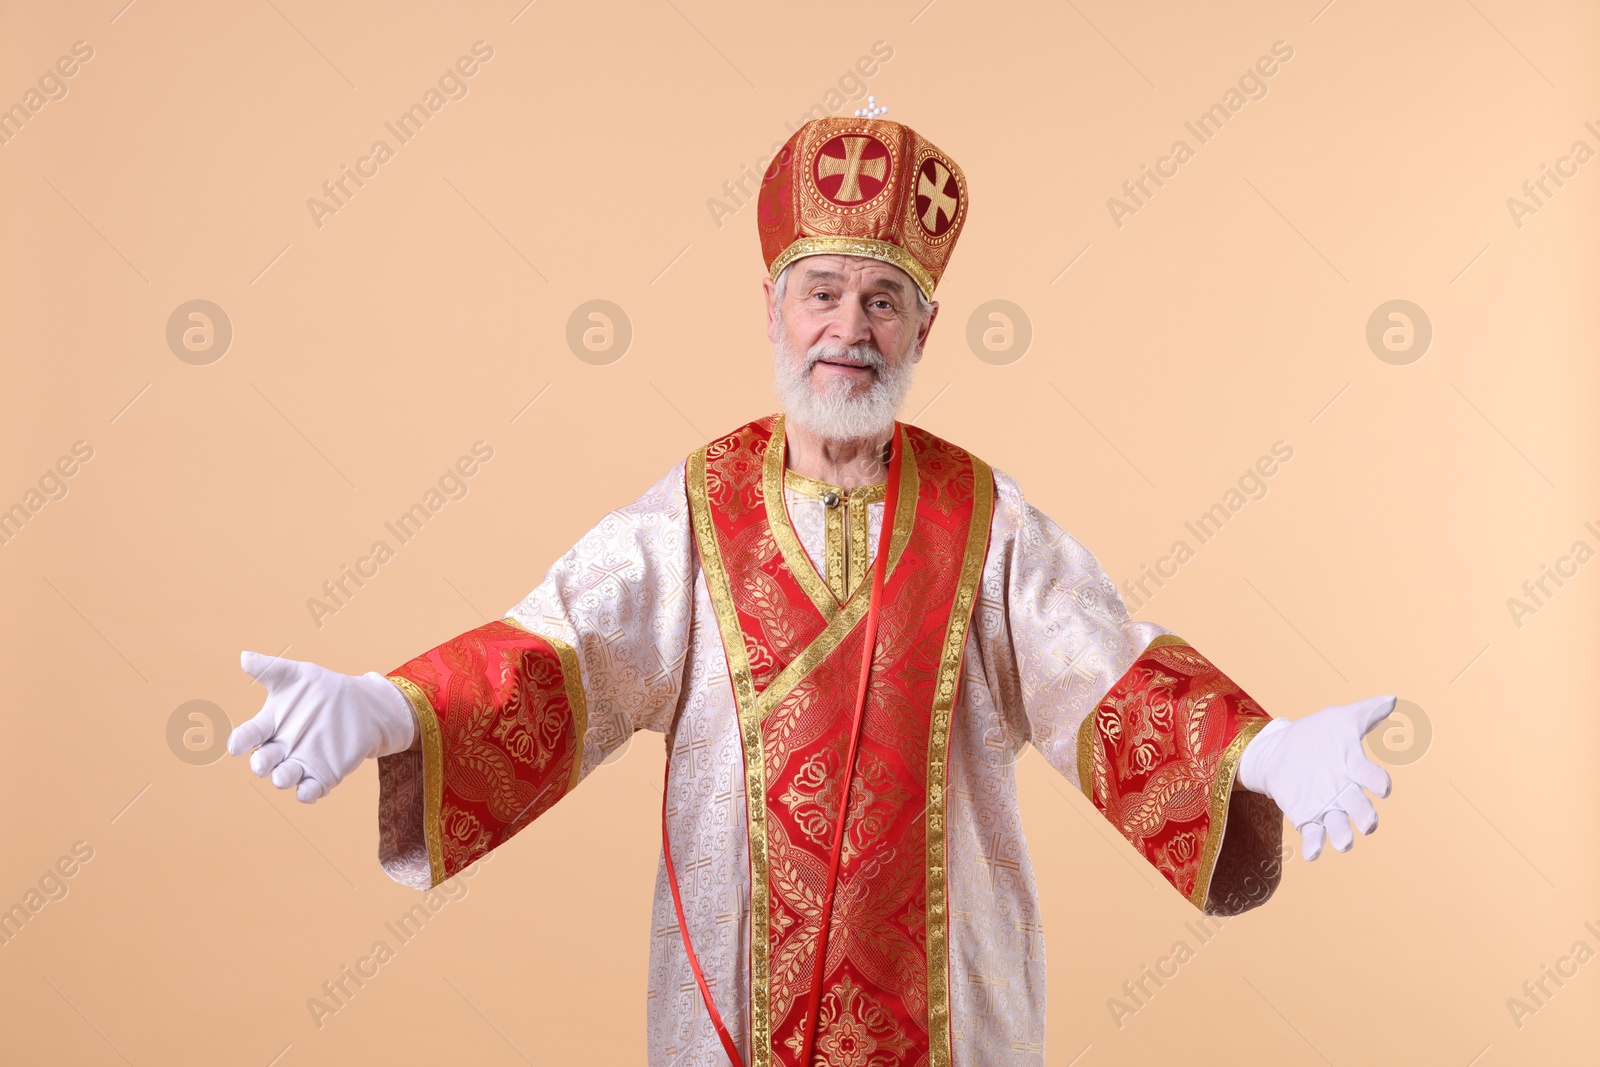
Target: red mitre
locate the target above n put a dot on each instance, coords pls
(862, 187)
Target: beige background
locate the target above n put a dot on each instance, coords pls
(1227, 314)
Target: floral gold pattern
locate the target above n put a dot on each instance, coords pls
(813, 799)
(503, 719)
(886, 975)
(854, 1030)
(1158, 757)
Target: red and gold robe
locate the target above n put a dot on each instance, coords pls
(725, 610)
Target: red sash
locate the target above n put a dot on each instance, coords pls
(797, 660)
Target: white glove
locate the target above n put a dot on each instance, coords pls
(1315, 769)
(317, 726)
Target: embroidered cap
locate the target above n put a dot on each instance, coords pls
(862, 186)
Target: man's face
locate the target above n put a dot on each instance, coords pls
(845, 334)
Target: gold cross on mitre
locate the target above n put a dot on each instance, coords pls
(852, 166)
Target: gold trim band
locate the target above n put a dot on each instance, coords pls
(1221, 790)
(841, 620)
(794, 554)
(848, 518)
(856, 246)
(815, 489)
(955, 643)
(1086, 752)
(432, 773)
(774, 478)
(720, 589)
(571, 673)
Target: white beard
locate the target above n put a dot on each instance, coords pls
(833, 413)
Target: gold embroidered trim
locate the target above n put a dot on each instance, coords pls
(1086, 753)
(1221, 790)
(432, 773)
(775, 478)
(794, 554)
(755, 774)
(843, 619)
(852, 523)
(833, 556)
(752, 709)
(838, 628)
(955, 644)
(860, 558)
(572, 677)
(856, 246)
(818, 489)
(571, 673)
(905, 509)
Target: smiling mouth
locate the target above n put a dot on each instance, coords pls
(845, 364)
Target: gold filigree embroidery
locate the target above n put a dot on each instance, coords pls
(854, 1030)
(952, 479)
(1145, 730)
(858, 520)
(938, 955)
(847, 546)
(572, 676)
(833, 557)
(841, 620)
(761, 597)
(875, 799)
(856, 246)
(794, 554)
(733, 645)
(882, 914)
(531, 725)
(733, 484)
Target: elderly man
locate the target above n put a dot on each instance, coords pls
(818, 598)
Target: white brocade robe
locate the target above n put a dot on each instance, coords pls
(1049, 639)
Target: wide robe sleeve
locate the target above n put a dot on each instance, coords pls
(515, 713)
(1141, 721)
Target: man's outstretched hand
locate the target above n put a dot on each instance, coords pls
(317, 726)
(1315, 769)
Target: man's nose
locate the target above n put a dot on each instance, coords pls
(851, 325)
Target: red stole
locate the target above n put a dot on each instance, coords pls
(794, 652)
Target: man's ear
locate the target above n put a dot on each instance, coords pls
(770, 291)
(922, 332)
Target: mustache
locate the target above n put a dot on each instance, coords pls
(866, 355)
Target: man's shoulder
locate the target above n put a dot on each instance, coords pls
(928, 443)
(664, 497)
(753, 434)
